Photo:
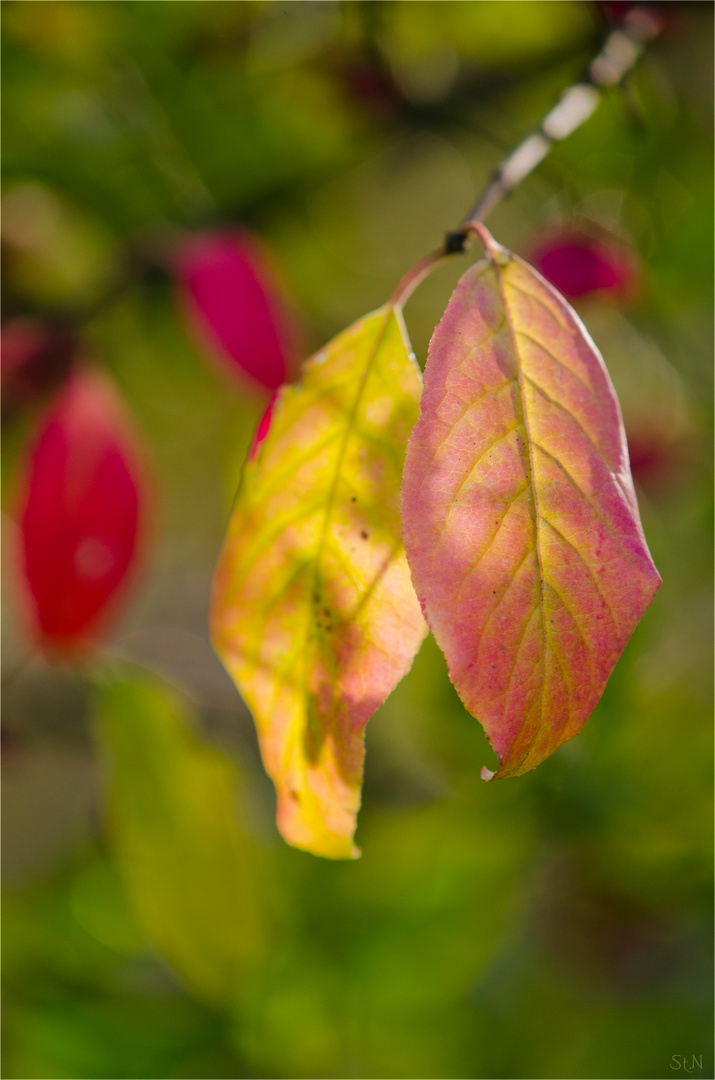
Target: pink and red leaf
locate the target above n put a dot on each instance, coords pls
(520, 521)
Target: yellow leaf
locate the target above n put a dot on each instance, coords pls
(313, 610)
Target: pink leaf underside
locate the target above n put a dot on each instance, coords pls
(314, 613)
(519, 516)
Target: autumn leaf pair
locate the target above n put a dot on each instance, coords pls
(522, 542)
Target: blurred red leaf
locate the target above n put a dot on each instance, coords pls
(81, 512)
(234, 305)
(578, 264)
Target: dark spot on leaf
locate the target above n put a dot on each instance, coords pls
(353, 498)
(326, 611)
(364, 534)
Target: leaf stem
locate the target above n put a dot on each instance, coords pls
(415, 275)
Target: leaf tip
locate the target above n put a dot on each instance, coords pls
(336, 848)
(309, 824)
(487, 774)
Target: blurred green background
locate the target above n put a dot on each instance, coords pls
(155, 925)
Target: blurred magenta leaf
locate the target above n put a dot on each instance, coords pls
(82, 512)
(578, 263)
(313, 610)
(521, 523)
(234, 304)
(187, 860)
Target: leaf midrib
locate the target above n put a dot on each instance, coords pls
(535, 502)
(330, 503)
(342, 451)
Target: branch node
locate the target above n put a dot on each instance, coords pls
(457, 242)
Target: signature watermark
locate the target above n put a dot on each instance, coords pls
(688, 1062)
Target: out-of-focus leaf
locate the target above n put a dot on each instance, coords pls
(579, 262)
(82, 512)
(234, 306)
(187, 861)
(314, 613)
(521, 523)
(56, 252)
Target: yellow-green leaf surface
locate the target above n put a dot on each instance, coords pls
(187, 861)
(314, 613)
(521, 522)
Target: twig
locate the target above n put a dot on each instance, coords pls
(620, 52)
(413, 277)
